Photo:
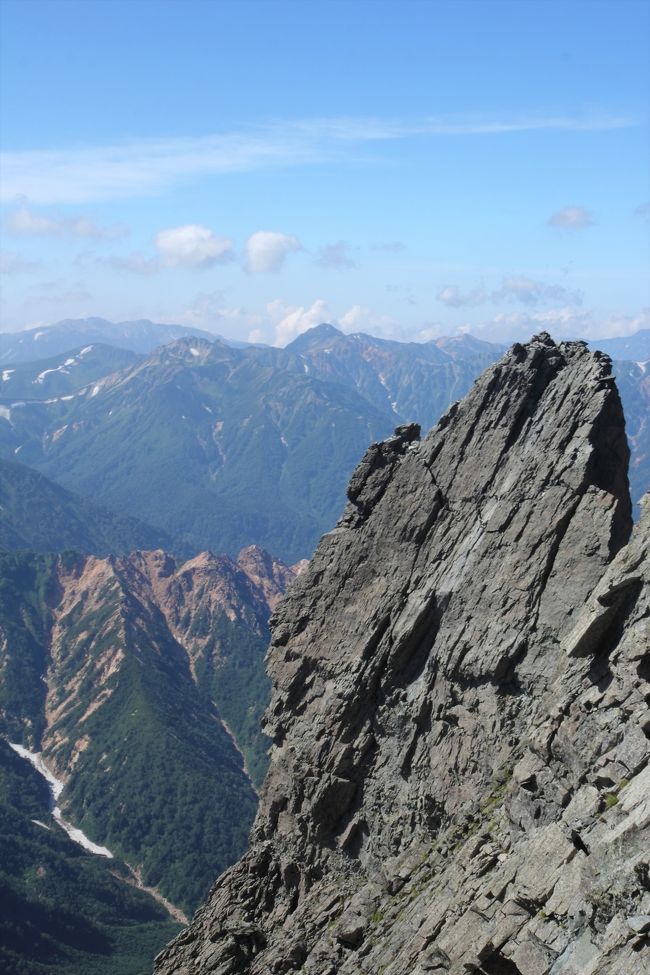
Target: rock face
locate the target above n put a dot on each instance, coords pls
(459, 779)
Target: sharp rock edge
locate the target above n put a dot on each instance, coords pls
(459, 778)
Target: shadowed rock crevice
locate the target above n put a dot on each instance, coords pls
(447, 778)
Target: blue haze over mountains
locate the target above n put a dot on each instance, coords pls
(219, 447)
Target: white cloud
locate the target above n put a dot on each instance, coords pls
(571, 218)
(335, 257)
(454, 297)
(360, 318)
(564, 322)
(152, 166)
(193, 246)
(620, 325)
(291, 321)
(267, 250)
(257, 336)
(26, 222)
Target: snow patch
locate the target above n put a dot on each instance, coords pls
(41, 376)
(5, 412)
(86, 350)
(56, 788)
(194, 351)
(7, 374)
(95, 390)
(39, 335)
(642, 366)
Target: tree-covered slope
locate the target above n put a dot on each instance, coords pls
(225, 447)
(63, 911)
(39, 515)
(212, 445)
(141, 679)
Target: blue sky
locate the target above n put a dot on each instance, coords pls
(408, 169)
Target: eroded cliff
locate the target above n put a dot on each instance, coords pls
(459, 778)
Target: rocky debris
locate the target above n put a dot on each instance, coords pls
(459, 778)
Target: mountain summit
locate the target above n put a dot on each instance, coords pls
(459, 778)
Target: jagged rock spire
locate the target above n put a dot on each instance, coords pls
(449, 747)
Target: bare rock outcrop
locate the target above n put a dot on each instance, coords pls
(459, 778)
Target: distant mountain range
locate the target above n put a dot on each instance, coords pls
(635, 348)
(220, 447)
(51, 340)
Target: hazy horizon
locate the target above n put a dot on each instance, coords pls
(254, 169)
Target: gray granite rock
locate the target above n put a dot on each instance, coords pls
(459, 669)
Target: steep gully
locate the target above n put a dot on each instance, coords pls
(78, 836)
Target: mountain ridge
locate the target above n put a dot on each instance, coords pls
(458, 714)
(140, 680)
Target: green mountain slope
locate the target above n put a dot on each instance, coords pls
(141, 679)
(213, 445)
(39, 515)
(63, 374)
(221, 447)
(63, 911)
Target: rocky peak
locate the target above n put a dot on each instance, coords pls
(313, 337)
(458, 705)
(270, 575)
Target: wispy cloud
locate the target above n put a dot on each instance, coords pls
(515, 288)
(390, 246)
(24, 221)
(210, 310)
(571, 218)
(335, 257)
(134, 263)
(12, 263)
(643, 211)
(81, 174)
